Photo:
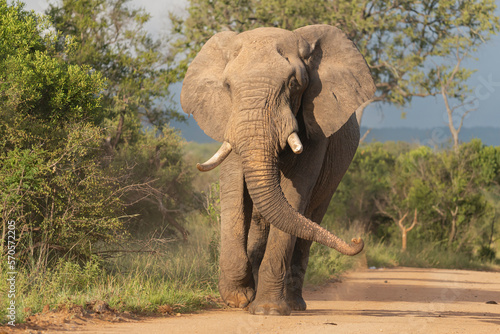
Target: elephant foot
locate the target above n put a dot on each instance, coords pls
(237, 297)
(297, 303)
(279, 307)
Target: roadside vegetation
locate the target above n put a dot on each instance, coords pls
(107, 202)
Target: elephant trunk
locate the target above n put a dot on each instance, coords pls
(262, 176)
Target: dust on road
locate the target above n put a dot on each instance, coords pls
(402, 300)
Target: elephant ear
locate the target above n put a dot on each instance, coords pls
(203, 94)
(339, 80)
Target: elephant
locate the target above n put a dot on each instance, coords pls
(283, 105)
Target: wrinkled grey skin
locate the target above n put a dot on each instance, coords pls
(252, 91)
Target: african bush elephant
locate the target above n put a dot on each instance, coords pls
(257, 91)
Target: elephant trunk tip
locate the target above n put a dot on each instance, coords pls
(356, 246)
(357, 241)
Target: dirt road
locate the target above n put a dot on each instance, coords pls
(403, 300)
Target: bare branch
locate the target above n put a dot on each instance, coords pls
(383, 211)
(400, 221)
(441, 213)
(414, 223)
(362, 139)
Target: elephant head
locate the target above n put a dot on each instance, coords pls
(248, 91)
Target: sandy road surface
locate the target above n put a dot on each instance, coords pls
(403, 300)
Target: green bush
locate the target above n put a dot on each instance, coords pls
(50, 142)
(153, 182)
(455, 195)
(75, 277)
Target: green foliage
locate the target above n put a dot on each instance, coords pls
(140, 150)
(212, 203)
(39, 91)
(61, 200)
(326, 263)
(74, 277)
(487, 253)
(368, 175)
(76, 158)
(455, 195)
(53, 186)
(380, 254)
(421, 255)
(113, 41)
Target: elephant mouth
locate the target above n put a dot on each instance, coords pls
(225, 149)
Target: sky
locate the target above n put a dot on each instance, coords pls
(423, 113)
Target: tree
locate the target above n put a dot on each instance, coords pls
(400, 39)
(398, 201)
(142, 152)
(400, 221)
(490, 228)
(408, 192)
(456, 180)
(113, 41)
(472, 25)
(451, 85)
(51, 184)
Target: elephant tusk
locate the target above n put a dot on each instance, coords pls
(216, 159)
(295, 143)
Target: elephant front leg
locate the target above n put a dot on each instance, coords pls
(236, 285)
(271, 294)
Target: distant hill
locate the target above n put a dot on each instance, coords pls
(439, 136)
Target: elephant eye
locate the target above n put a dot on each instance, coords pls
(227, 85)
(294, 83)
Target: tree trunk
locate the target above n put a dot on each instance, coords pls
(453, 230)
(119, 130)
(361, 110)
(359, 116)
(404, 234)
(405, 230)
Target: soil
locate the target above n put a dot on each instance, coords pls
(401, 300)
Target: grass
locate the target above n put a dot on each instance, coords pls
(325, 264)
(180, 274)
(425, 255)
